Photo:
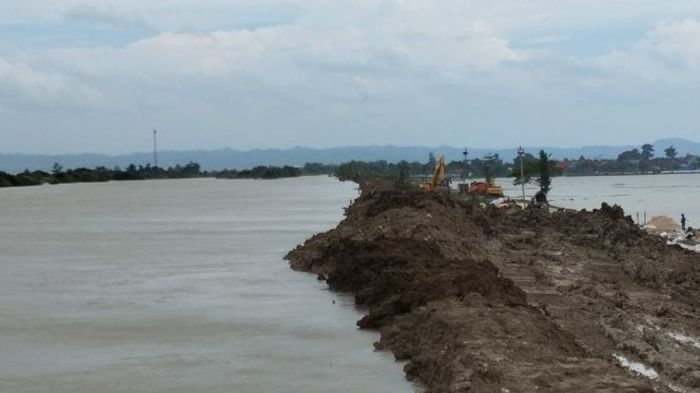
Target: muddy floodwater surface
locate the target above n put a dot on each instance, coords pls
(666, 194)
(177, 286)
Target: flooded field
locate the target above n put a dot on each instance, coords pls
(177, 286)
(668, 195)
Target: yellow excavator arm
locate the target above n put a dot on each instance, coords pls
(438, 176)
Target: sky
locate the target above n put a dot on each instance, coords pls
(98, 75)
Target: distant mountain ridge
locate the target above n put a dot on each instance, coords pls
(238, 159)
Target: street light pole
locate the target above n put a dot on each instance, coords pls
(465, 152)
(521, 154)
(465, 187)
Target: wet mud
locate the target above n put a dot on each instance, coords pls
(515, 301)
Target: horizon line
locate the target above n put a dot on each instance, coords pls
(341, 147)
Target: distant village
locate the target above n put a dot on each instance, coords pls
(638, 161)
(635, 161)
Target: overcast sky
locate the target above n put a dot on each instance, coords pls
(98, 75)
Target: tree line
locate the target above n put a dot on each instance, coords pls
(59, 175)
(641, 160)
(638, 160)
(538, 170)
(635, 161)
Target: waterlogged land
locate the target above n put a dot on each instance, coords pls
(668, 195)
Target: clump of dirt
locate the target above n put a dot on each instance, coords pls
(515, 300)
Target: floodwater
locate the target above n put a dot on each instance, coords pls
(177, 286)
(668, 194)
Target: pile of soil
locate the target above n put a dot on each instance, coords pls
(516, 300)
(659, 224)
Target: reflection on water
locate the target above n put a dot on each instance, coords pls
(177, 286)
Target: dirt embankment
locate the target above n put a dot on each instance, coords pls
(516, 301)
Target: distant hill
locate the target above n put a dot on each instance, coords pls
(237, 159)
(683, 146)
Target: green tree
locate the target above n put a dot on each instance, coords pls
(57, 168)
(491, 165)
(529, 169)
(630, 155)
(315, 168)
(546, 170)
(431, 160)
(540, 170)
(403, 179)
(671, 152)
(647, 152)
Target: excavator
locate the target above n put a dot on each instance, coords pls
(488, 188)
(438, 176)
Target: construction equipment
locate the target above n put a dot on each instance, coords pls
(438, 176)
(488, 187)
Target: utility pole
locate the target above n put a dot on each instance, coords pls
(521, 154)
(465, 152)
(155, 148)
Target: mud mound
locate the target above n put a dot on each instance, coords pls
(511, 300)
(396, 199)
(395, 275)
(663, 224)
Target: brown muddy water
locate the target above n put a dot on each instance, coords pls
(177, 286)
(655, 195)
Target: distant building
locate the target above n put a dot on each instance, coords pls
(564, 165)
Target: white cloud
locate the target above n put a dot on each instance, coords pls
(313, 67)
(102, 15)
(667, 55)
(675, 41)
(339, 61)
(28, 87)
(220, 52)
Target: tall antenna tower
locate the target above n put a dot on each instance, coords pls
(155, 148)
